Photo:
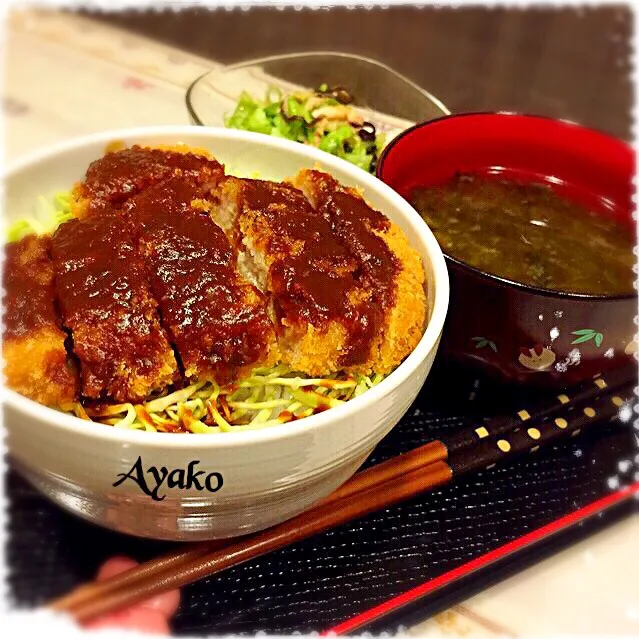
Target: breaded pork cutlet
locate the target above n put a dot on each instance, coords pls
(105, 302)
(117, 176)
(389, 265)
(216, 320)
(326, 321)
(36, 362)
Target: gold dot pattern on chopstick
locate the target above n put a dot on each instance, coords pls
(561, 422)
(589, 412)
(534, 433)
(481, 432)
(600, 383)
(617, 401)
(564, 399)
(490, 466)
(523, 415)
(575, 432)
(503, 445)
(534, 449)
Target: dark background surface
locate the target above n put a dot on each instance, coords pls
(568, 63)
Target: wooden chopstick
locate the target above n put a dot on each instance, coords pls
(148, 569)
(301, 527)
(390, 469)
(379, 486)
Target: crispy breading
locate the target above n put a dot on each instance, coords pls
(216, 320)
(325, 321)
(406, 319)
(36, 363)
(105, 302)
(119, 175)
(400, 294)
(38, 367)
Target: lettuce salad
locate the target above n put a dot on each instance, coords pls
(323, 118)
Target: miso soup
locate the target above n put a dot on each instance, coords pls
(529, 234)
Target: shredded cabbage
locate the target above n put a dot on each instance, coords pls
(46, 218)
(269, 397)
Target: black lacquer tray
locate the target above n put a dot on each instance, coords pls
(388, 570)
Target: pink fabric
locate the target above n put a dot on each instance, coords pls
(151, 616)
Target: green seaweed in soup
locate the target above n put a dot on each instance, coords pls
(529, 234)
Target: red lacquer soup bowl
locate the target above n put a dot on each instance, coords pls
(519, 332)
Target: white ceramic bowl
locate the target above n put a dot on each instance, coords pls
(268, 475)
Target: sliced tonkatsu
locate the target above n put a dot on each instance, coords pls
(389, 266)
(216, 320)
(105, 302)
(117, 176)
(326, 321)
(172, 272)
(36, 361)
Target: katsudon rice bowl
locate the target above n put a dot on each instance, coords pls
(282, 309)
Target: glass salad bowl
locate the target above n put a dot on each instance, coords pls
(356, 106)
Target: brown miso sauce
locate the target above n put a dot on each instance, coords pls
(321, 282)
